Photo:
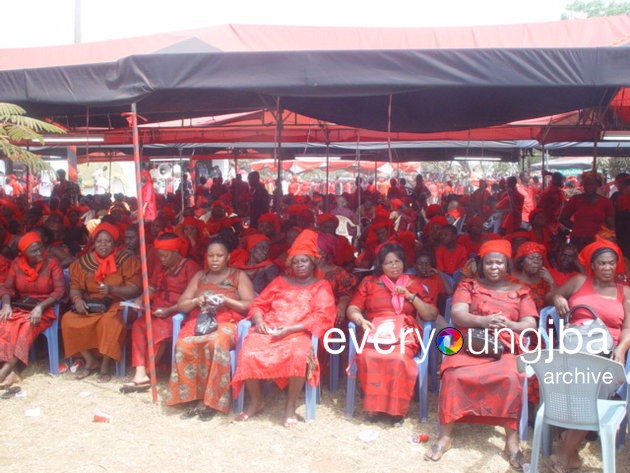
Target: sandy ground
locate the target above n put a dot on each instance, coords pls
(145, 437)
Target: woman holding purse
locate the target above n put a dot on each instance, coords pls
(598, 288)
(484, 389)
(200, 377)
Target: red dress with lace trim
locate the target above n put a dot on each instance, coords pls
(283, 303)
(481, 389)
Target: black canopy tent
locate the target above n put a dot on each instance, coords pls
(422, 90)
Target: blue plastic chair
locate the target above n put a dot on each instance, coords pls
(575, 405)
(421, 363)
(311, 394)
(52, 340)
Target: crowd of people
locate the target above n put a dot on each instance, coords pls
(499, 253)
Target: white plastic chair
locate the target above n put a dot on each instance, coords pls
(575, 405)
(343, 228)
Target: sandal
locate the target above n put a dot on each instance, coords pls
(242, 417)
(206, 413)
(516, 460)
(84, 372)
(10, 392)
(134, 387)
(435, 452)
(189, 413)
(293, 420)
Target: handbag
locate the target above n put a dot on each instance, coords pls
(481, 342)
(98, 306)
(25, 303)
(206, 322)
(582, 336)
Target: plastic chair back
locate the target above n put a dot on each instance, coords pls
(571, 402)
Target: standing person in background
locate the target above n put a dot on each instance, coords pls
(149, 207)
(260, 199)
(65, 189)
(587, 213)
(552, 200)
(512, 206)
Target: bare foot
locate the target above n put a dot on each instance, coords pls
(12, 378)
(437, 450)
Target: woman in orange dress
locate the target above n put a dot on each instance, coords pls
(103, 275)
(201, 375)
(32, 274)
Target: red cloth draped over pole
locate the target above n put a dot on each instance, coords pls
(132, 118)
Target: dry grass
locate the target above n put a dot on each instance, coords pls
(144, 437)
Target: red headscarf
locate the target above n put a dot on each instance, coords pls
(179, 244)
(586, 255)
(106, 265)
(502, 246)
(252, 240)
(239, 258)
(32, 273)
(273, 219)
(324, 218)
(194, 222)
(529, 248)
(305, 244)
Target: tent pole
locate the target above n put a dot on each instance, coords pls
(146, 299)
(594, 155)
(278, 156)
(542, 167)
(326, 207)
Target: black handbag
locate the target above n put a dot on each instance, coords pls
(206, 322)
(481, 342)
(98, 306)
(25, 303)
(581, 337)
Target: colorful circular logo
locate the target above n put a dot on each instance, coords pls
(449, 341)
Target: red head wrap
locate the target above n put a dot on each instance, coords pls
(529, 248)
(324, 218)
(432, 210)
(179, 244)
(587, 253)
(27, 240)
(305, 244)
(273, 219)
(194, 222)
(496, 246)
(396, 204)
(252, 240)
(109, 228)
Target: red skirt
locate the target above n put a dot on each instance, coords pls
(481, 390)
(387, 380)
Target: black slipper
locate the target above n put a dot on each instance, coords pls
(134, 387)
(10, 392)
(206, 413)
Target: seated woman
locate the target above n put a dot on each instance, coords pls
(201, 375)
(479, 389)
(531, 271)
(33, 274)
(106, 276)
(167, 283)
(602, 261)
(388, 379)
(286, 315)
(254, 260)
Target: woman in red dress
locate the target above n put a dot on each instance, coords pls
(388, 379)
(32, 274)
(532, 272)
(167, 283)
(286, 315)
(602, 261)
(483, 389)
(201, 375)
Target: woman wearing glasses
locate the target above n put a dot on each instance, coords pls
(389, 298)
